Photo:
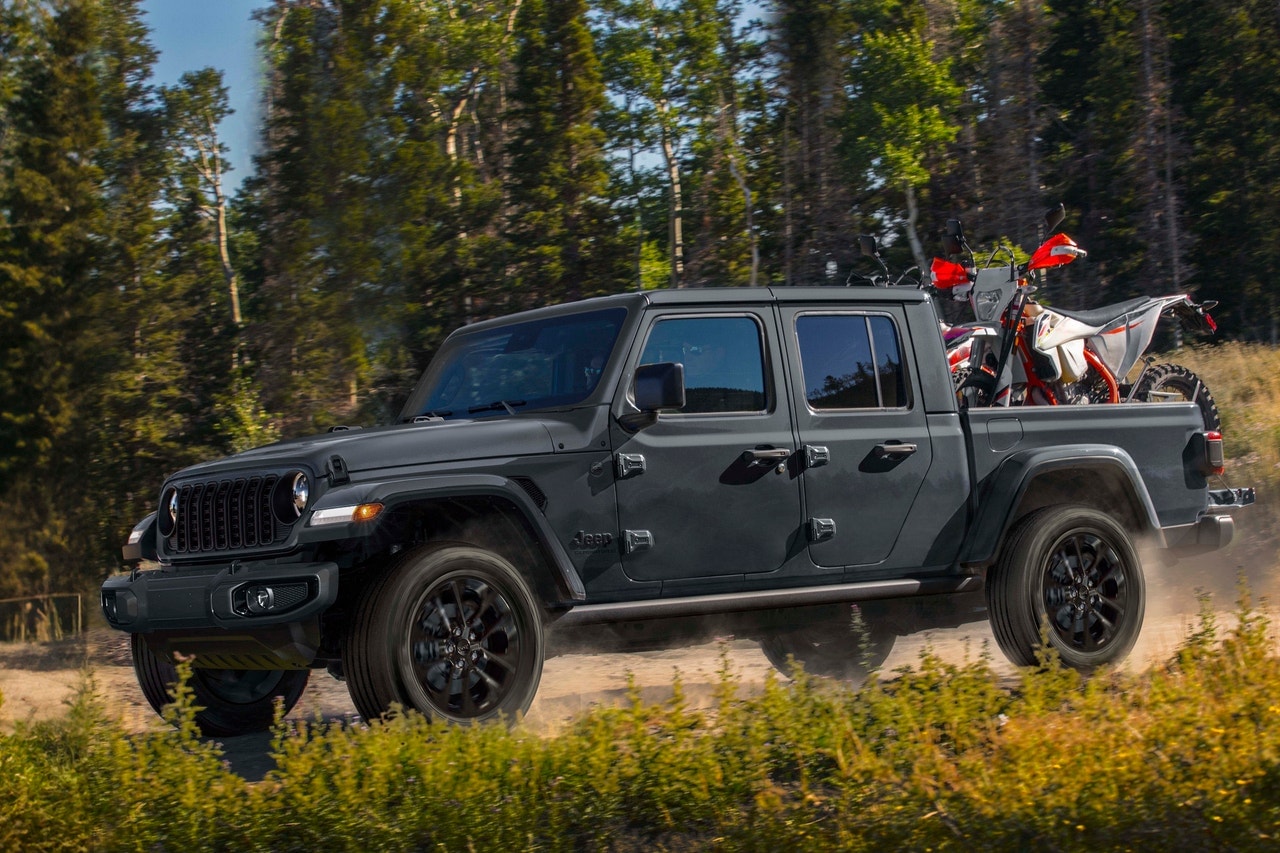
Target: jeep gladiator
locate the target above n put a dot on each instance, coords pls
(790, 464)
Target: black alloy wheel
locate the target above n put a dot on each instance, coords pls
(451, 631)
(1075, 571)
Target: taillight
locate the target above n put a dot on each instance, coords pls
(1214, 461)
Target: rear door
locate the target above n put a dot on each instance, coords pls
(865, 440)
(710, 492)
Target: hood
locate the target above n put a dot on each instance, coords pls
(401, 445)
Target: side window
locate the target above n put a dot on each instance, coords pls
(851, 361)
(723, 360)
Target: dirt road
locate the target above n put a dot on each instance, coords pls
(37, 680)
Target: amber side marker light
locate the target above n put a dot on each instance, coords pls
(368, 512)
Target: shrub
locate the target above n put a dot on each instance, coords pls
(938, 756)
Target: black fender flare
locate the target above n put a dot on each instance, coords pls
(399, 492)
(141, 544)
(1009, 485)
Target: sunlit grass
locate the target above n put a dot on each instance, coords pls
(1245, 381)
(940, 756)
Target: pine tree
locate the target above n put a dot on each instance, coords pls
(1224, 60)
(812, 228)
(564, 244)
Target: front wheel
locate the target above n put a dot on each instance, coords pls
(1163, 383)
(451, 631)
(230, 701)
(1076, 571)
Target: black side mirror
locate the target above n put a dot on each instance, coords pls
(1054, 216)
(656, 386)
(953, 238)
(867, 245)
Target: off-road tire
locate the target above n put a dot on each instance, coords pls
(230, 701)
(1161, 379)
(835, 648)
(1075, 571)
(406, 645)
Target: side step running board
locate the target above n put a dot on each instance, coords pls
(701, 605)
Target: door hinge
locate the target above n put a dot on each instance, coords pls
(821, 529)
(636, 540)
(816, 456)
(629, 465)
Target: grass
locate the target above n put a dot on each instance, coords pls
(939, 757)
(1245, 381)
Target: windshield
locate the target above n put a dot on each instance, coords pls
(535, 365)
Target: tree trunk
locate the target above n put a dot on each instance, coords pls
(913, 238)
(675, 206)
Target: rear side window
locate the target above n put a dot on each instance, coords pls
(851, 361)
(723, 360)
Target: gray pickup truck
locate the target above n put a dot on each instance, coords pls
(788, 464)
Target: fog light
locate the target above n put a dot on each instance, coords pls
(259, 599)
(109, 605)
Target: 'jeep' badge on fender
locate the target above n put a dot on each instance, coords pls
(583, 540)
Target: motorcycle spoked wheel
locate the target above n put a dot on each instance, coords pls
(972, 389)
(1175, 383)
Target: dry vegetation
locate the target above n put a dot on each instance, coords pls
(1245, 380)
(944, 756)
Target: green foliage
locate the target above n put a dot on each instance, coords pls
(937, 756)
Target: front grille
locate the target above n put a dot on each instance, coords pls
(226, 515)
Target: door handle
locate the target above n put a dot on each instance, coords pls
(765, 455)
(895, 448)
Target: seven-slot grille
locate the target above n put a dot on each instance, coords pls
(226, 515)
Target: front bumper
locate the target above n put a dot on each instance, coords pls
(239, 597)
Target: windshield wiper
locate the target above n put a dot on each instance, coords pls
(509, 405)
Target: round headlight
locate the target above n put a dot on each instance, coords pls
(301, 492)
(168, 515)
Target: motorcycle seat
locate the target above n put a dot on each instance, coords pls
(1107, 314)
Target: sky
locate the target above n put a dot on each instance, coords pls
(192, 34)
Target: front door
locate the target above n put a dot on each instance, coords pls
(711, 491)
(863, 430)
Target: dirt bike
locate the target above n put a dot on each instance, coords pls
(1020, 352)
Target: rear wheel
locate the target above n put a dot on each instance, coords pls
(231, 701)
(1076, 571)
(451, 631)
(1163, 383)
(848, 648)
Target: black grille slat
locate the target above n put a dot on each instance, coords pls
(208, 494)
(221, 514)
(235, 515)
(226, 515)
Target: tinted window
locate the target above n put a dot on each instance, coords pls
(851, 361)
(523, 366)
(723, 360)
